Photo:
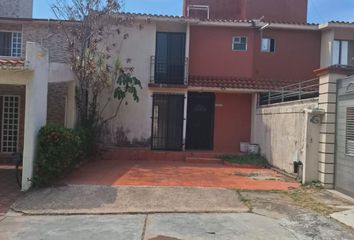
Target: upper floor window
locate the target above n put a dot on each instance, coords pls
(342, 52)
(10, 44)
(239, 43)
(268, 45)
(169, 64)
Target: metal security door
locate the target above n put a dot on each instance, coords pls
(200, 121)
(167, 122)
(344, 161)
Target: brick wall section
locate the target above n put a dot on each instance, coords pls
(48, 34)
(16, 8)
(10, 27)
(56, 103)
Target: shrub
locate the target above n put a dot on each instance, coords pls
(59, 150)
(88, 141)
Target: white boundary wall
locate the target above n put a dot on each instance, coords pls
(286, 134)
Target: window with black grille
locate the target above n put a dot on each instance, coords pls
(10, 44)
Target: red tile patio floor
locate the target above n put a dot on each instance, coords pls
(9, 189)
(166, 173)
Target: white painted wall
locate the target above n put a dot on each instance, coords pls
(60, 72)
(134, 119)
(282, 132)
(326, 48)
(312, 138)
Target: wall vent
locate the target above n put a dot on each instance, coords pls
(349, 132)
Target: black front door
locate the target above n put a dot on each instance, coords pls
(167, 121)
(200, 121)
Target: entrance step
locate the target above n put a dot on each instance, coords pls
(204, 160)
(146, 154)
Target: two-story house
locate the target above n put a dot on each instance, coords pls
(202, 74)
(36, 84)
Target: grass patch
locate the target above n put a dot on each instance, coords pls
(245, 201)
(256, 160)
(302, 196)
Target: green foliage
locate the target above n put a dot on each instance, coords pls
(256, 160)
(59, 150)
(126, 83)
(88, 142)
(101, 79)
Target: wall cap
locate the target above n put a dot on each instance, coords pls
(335, 69)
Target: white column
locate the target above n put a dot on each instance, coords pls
(310, 148)
(254, 118)
(36, 106)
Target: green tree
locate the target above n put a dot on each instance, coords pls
(91, 60)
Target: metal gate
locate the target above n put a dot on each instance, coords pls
(344, 163)
(167, 122)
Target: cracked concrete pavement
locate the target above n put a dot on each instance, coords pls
(84, 199)
(169, 226)
(174, 214)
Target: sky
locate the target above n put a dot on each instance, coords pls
(319, 11)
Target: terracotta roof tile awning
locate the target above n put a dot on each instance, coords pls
(235, 83)
(11, 63)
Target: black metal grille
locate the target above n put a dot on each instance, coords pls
(168, 73)
(167, 122)
(297, 91)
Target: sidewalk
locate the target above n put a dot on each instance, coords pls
(170, 213)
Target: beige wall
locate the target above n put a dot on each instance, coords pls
(281, 131)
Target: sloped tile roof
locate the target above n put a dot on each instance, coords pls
(11, 63)
(152, 15)
(251, 21)
(341, 22)
(236, 83)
